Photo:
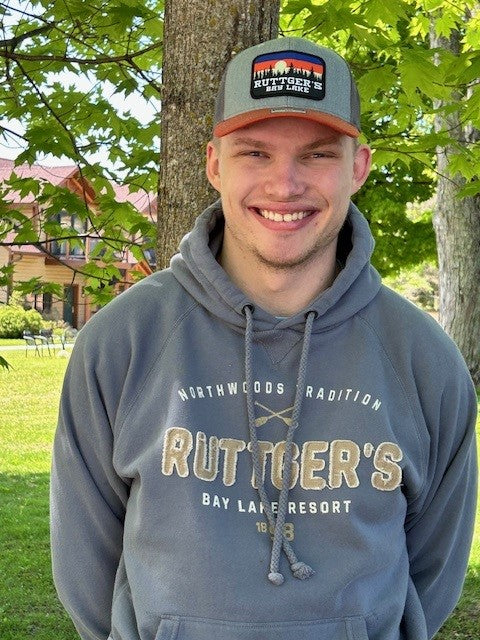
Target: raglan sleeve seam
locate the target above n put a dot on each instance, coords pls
(148, 374)
(423, 456)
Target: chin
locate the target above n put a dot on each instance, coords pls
(283, 262)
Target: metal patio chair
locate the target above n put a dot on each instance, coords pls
(31, 341)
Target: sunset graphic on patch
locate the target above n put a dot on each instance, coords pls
(281, 63)
(288, 73)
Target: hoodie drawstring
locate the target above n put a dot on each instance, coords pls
(299, 569)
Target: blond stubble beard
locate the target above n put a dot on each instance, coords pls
(301, 262)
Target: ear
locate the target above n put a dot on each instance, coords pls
(213, 165)
(361, 167)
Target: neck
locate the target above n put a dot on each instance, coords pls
(282, 292)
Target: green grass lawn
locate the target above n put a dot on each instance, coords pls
(28, 604)
(9, 342)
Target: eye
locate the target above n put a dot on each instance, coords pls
(249, 154)
(255, 154)
(320, 154)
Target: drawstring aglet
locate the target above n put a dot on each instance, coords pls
(302, 571)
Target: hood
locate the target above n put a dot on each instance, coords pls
(198, 271)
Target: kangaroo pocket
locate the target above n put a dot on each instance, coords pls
(180, 628)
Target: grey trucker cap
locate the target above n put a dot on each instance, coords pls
(287, 77)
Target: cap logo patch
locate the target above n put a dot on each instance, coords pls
(288, 73)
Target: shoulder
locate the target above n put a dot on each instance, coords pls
(158, 298)
(400, 321)
(429, 367)
(120, 344)
(412, 337)
(138, 320)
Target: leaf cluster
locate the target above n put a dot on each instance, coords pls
(64, 67)
(67, 72)
(409, 83)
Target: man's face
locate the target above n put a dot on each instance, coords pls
(285, 185)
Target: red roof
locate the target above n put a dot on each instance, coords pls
(54, 175)
(142, 200)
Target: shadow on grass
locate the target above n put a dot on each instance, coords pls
(29, 607)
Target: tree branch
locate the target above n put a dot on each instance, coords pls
(79, 236)
(11, 43)
(412, 154)
(6, 130)
(75, 148)
(148, 80)
(71, 268)
(127, 57)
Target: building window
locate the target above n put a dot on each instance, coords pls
(65, 248)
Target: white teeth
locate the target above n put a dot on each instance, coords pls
(283, 217)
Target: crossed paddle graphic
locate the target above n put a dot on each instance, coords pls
(259, 422)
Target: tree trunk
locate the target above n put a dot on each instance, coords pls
(200, 38)
(457, 227)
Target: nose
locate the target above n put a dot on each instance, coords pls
(284, 180)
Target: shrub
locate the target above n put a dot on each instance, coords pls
(33, 321)
(15, 320)
(12, 322)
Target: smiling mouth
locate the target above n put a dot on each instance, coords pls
(278, 216)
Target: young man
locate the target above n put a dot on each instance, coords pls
(263, 441)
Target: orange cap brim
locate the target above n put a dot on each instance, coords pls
(245, 119)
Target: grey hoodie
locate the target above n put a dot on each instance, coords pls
(162, 524)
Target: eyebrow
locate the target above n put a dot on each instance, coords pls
(258, 144)
(249, 142)
(321, 142)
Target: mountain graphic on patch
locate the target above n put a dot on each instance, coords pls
(288, 73)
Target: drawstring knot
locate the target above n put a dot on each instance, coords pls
(276, 578)
(299, 569)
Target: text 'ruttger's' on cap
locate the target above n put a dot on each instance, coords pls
(287, 76)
